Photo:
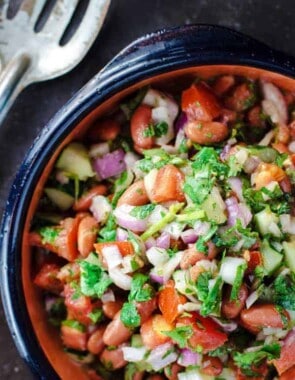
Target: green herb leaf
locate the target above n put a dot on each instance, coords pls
(238, 282)
(94, 281)
(96, 315)
(212, 302)
(201, 245)
(74, 325)
(129, 315)
(180, 335)
(108, 232)
(49, 234)
(202, 285)
(284, 292)
(142, 212)
(140, 291)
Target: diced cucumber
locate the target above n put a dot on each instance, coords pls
(229, 268)
(136, 340)
(289, 250)
(267, 223)
(214, 207)
(271, 258)
(75, 160)
(61, 199)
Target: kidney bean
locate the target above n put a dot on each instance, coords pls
(135, 195)
(191, 256)
(206, 132)
(254, 117)
(95, 342)
(223, 84)
(238, 100)
(113, 359)
(116, 333)
(211, 366)
(283, 134)
(105, 130)
(260, 316)
(87, 233)
(286, 185)
(110, 309)
(146, 308)
(140, 121)
(172, 371)
(84, 202)
(231, 309)
(73, 338)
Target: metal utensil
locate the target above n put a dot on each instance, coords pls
(28, 56)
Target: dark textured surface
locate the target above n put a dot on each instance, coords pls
(268, 20)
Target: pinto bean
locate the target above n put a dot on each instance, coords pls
(110, 309)
(113, 359)
(116, 333)
(239, 99)
(135, 195)
(105, 130)
(95, 342)
(212, 366)
(84, 202)
(172, 371)
(146, 308)
(206, 132)
(286, 185)
(231, 309)
(140, 121)
(223, 84)
(87, 232)
(283, 134)
(254, 117)
(266, 173)
(191, 256)
(73, 338)
(260, 316)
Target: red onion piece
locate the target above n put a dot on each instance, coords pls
(156, 278)
(160, 357)
(189, 236)
(236, 186)
(274, 103)
(237, 211)
(163, 241)
(125, 220)
(189, 357)
(180, 122)
(227, 327)
(251, 164)
(111, 164)
(201, 228)
(151, 242)
(121, 234)
(225, 152)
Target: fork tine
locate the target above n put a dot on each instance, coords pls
(33, 8)
(4, 4)
(60, 17)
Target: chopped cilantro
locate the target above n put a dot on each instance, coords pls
(198, 188)
(212, 302)
(180, 335)
(238, 282)
(247, 360)
(96, 315)
(202, 285)
(140, 291)
(94, 280)
(74, 325)
(121, 185)
(142, 212)
(284, 291)
(231, 236)
(108, 232)
(158, 130)
(49, 234)
(129, 315)
(201, 245)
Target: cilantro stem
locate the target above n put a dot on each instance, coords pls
(169, 217)
(199, 214)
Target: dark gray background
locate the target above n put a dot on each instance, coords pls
(271, 21)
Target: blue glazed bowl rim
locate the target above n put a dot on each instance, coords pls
(155, 54)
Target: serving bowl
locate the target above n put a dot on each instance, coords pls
(166, 58)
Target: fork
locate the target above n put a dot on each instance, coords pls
(27, 56)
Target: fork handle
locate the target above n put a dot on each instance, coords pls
(11, 82)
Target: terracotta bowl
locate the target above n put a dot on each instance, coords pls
(167, 58)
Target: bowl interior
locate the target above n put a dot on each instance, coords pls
(46, 335)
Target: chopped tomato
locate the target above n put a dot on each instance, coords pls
(152, 331)
(169, 300)
(241, 98)
(167, 185)
(223, 84)
(212, 366)
(74, 338)
(84, 202)
(289, 374)
(254, 259)
(287, 358)
(206, 332)
(146, 308)
(200, 103)
(47, 278)
(125, 247)
(78, 305)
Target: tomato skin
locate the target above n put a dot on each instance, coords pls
(287, 358)
(151, 331)
(289, 374)
(200, 103)
(212, 366)
(139, 123)
(254, 259)
(78, 307)
(206, 332)
(169, 300)
(125, 247)
(47, 278)
(238, 100)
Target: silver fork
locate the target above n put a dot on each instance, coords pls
(27, 56)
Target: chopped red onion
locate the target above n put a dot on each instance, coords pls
(121, 235)
(274, 104)
(288, 223)
(108, 296)
(225, 152)
(181, 122)
(188, 357)
(111, 164)
(134, 354)
(163, 241)
(156, 277)
(251, 164)
(100, 208)
(157, 256)
(171, 265)
(291, 147)
(160, 358)
(227, 327)
(189, 236)
(253, 297)
(236, 186)
(125, 220)
(122, 280)
(112, 256)
(62, 177)
(201, 228)
(151, 242)
(237, 211)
